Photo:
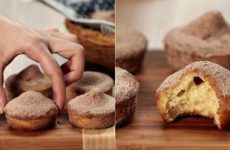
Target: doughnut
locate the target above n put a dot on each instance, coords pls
(92, 110)
(205, 38)
(201, 88)
(31, 111)
(131, 47)
(31, 78)
(126, 90)
(99, 47)
(89, 81)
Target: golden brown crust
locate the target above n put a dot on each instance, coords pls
(131, 47)
(31, 124)
(125, 111)
(126, 90)
(91, 122)
(216, 76)
(89, 81)
(132, 64)
(31, 111)
(206, 38)
(99, 48)
(93, 110)
(126, 86)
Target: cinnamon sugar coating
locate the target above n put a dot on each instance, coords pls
(93, 103)
(125, 85)
(126, 90)
(93, 110)
(219, 74)
(205, 38)
(31, 105)
(91, 80)
(130, 49)
(201, 88)
(30, 78)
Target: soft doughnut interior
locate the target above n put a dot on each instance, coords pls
(192, 96)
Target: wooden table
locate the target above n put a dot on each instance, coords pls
(148, 131)
(63, 137)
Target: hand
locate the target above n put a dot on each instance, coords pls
(39, 45)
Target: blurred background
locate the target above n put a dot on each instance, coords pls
(155, 18)
(35, 14)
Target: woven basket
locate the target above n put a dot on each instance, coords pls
(99, 48)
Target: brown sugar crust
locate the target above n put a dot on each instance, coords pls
(217, 78)
(99, 47)
(93, 110)
(89, 81)
(126, 90)
(31, 111)
(206, 38)
(104, 15)
(31, 78)
(95, 37)
(130, 49)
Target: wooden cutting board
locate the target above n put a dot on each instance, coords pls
(62, 137)
(148, 131)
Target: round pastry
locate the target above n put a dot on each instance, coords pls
(206, 38)
(130, 49)
(104, 15)
(31, 78)
(201, 88)
(126, 90)
(99, 47)
(89, 81)
(93, 110)
(31, 111)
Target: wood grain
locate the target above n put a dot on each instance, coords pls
(148, 131)
(103, 139)
(62, 137)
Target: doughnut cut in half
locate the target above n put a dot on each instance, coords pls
(201, 88)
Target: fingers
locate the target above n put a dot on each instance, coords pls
(2, 91)
(52, 30)
(40, 53)
(65, 36)
(6, 59)
(74, 52)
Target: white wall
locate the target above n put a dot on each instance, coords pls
(155, 17)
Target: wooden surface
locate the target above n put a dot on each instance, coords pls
(148, 131)
(63, 137)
